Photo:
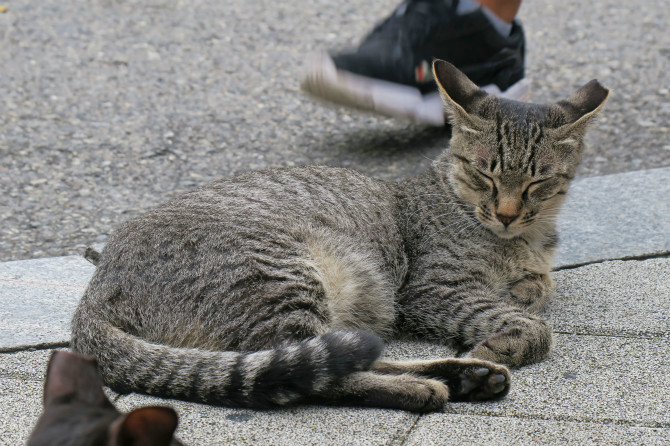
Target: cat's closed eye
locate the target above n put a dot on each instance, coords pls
(534, 187)
(477, 180)
(489, 181)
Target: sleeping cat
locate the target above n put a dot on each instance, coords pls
(77, 412)
(273, 287)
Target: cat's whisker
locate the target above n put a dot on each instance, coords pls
(428, 158)
(457, 230)
(437, 217)
(467, 229)
(434, 218)
(409, 217)
(441, 195)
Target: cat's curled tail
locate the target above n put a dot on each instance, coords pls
(260, 379)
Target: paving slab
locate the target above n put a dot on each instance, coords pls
(589, 379)
(21, 384)
(607, 374)
(21, 390)
(615, 216)
(21, 402)
(621, 298)
(37, 299)
(31, 365)
(204, 425)
(466, 430)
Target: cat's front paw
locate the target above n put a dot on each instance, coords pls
(532, 292)
(528, 343)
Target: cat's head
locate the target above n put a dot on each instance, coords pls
(77, 411)
(513, 161)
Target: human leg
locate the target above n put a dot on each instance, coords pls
(389, 73)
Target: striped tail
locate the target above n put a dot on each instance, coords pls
(260, 379)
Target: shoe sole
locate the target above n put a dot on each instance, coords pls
(324, 81)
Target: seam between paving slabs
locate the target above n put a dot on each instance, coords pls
(35, 347)
(403, 438)
(604, 421)
(661, 255)
(647, 336)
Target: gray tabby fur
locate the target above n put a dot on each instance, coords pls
(271, 287)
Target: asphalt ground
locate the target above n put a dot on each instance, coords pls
(108, 108)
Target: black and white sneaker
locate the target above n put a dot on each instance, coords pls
(390, 72)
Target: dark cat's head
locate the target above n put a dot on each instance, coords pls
(513, 161)
(77, 412)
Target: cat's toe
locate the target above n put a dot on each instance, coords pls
(422, 395)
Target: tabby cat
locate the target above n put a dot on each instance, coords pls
(272, 287)
(77, 412)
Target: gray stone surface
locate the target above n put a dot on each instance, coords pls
(606, 381)
(619, 298)
(37, 299)
(602, 379)
(21, 403)
(473, 430)
(616, 216)
(109, 108)
(611, 388)
(27, 364)
(590, 388)
(202, 425)
(625, 46)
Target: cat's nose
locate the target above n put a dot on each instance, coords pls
(506, 219)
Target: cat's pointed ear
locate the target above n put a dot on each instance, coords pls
(73, 374)
(146, 426)
(581, 108)
(459, 94)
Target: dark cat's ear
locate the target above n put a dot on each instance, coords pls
(146, 426)
(73, 374)
(582, 107)
(458, 92)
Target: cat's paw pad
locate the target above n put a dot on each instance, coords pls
(480, 380)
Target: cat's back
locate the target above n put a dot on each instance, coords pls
(275, 201)
(309, 191)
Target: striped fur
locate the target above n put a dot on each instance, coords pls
(270, 288)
